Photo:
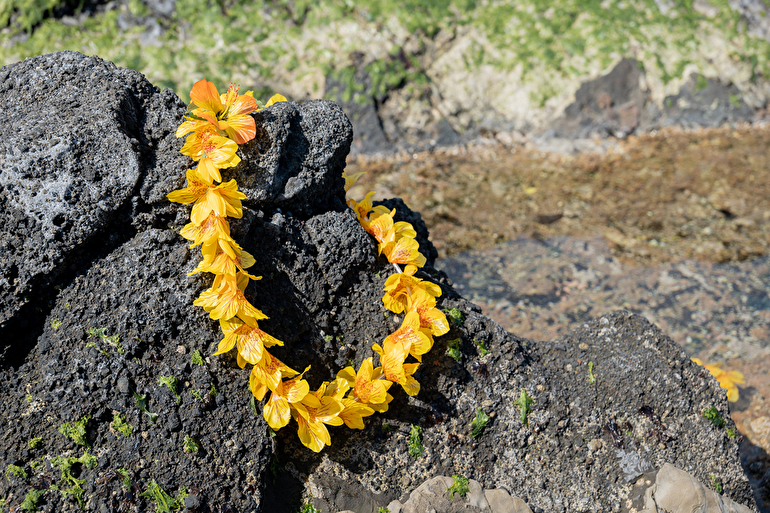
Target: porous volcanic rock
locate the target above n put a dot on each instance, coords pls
(85, 146)
(83, 363)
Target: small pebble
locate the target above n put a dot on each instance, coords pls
(595, 444)
(123, 386)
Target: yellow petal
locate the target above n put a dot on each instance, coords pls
(275, 99)
(350, 179)
(735, 377)
(204, 94)
(348, 374)
(295, 389)
(276, 411)
(411, 387)
(313, 436)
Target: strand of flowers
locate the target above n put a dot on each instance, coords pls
(216, 126)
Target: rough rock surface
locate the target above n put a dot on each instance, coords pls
(68, 122)
(124, 319)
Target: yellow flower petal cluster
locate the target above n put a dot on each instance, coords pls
(404, 293)
(728, 380)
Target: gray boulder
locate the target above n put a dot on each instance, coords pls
(86, 147)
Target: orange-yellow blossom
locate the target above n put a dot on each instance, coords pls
(214, 228)
(213, 152)
(378, 374)
(364, 208)
(336, 388)
(385, 230)
(225, 259)
(312, 414)
(727, 379)
(348, 374)
(250, 340)
(399, 286)
(354, 412)
(431, 318)
(404, 251)
(228, 113)
(365, 388)
(277, 410)
(223, 199)
(392, 357)
(410, 334)
(267, 374)
(225, 299)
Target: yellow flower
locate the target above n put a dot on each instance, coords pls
(227, 113)
(267, 374)
(381, 227)
(277, 410)
(727, 379)
(214, 228)
(378, 374)
(404, 251)
(218, 260)
(312, 414)
(399, 286)
(214, 153)
(363, 209)
(354, 412)
(223, 199)
(225, 299)
(431, 318)
(366, 388)
(411, 336)
(250, 340)
(392, 358)
(336, 388)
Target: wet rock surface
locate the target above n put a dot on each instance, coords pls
(92, 377)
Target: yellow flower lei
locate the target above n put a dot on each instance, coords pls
(216, 125)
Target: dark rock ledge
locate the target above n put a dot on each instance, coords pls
(88, 241)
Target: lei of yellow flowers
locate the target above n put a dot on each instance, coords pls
(216, 126)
